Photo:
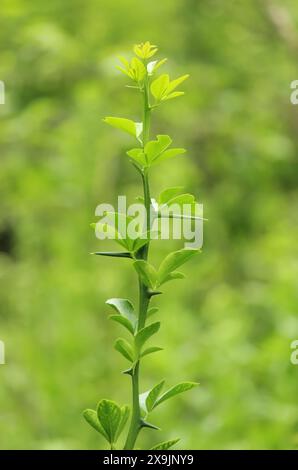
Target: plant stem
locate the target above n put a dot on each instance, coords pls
(144, 298)
(146, 113)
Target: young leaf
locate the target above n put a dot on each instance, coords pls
(165, 445)
(153, 395)
(175, 94)
(92, 419)
(134, 70)
(121, 223)
(123, 346)
(173, 261)
(138, 156)
(154, 152)
(126, 316)
(124, 417)
(154, 65)
(151, 351)
(139, 243)
(123, 321)
(110, 233)
(172, 276)
(151, 311)
(137, 69)
(170, 153)
(145, 50)
(174, 83)
(126, 125)
(144, 239)
(163, 89)
(115, 226)
(179, 388)
(124, 70)
(142, 402)
(154, 148)
(144, 334)
(109, 415)
(124, 61)
(159, 86)
(168, 194)
(147, 273)
(178, 206)
(124, 307)
(182, 199)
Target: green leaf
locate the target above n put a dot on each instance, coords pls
(147, 273)
(124, 61)
(123, 70)
(145, 50)
(182, 199)
(177, 205)
(159, 86)
(121, 223)
(175, 83)
(154, 148)
(126, 125)
(123, 321)
(110, 233)
(163, 89)
(125, 348)
(126, 317)
(144, 334)
(169, 194)
(173, 276)
(155, 151)
(125, 411)
(138, 156)
(109, 415)
(115, 226)
(175, 94)
(173, 261)
(170, 153)
(139, 243)
(125, 308)
(151, 311)
(92, 419)
(138, 69)
(165, 445)
(151, 351)
(153, 395)
(144, 239)
(154, 65)
(142, 402)
(177, 389)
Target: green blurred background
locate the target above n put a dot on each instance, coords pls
(229, 325)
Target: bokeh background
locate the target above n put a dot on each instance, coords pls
(229, 325)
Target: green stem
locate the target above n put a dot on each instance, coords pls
(146, 113)
(135, 424)
(144, 298)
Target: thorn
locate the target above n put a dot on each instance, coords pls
(128, 372)
(152, 293)
(145, 424)
(114, 254)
